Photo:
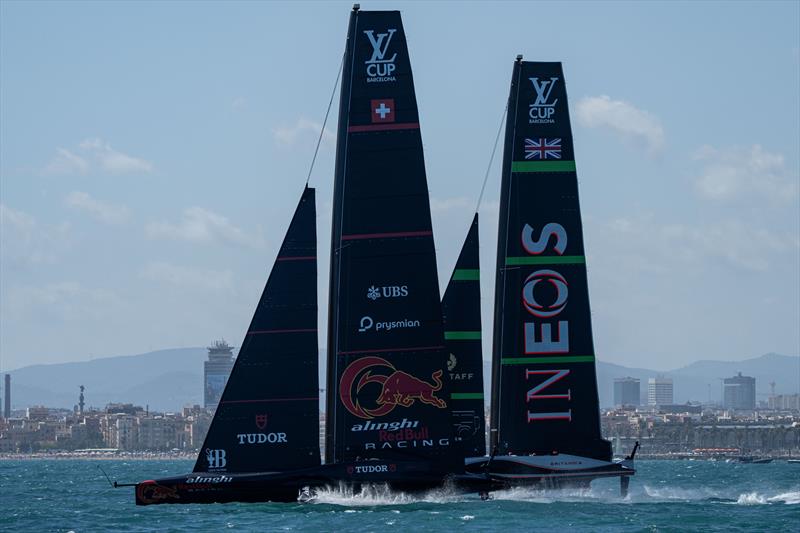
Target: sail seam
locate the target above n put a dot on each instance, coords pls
(297, 258)
(540, 360)
(547, 260)
(542, 166)
(466, 274)
(264, 400)
(462, 335)
(383, 350)
(265, 331)
(358, 236)
(384, 127)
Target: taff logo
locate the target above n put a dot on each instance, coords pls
(380, 69)
(216, 459)
(396, 387)
(541, 110)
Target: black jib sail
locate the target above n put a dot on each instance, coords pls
(268, 416)
(388, 394)
(544, 389)
(461, 307)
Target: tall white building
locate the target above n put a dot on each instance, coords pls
(217, 370)
(659, 391)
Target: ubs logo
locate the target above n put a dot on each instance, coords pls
(541, 110)
(380, 69)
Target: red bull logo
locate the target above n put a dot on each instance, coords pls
(396, 387)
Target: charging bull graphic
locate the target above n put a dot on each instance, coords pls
(397, 387)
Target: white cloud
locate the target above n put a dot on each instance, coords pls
(202, 226)
(25, 241)
(66, 300)
(65, 162)
(446, 204)
(96, 155)
(665, 248)
(239, 103)
(623, 118)
(187, 277)
(288, 135)
(108, 213)
(113, 161)
(736, 172)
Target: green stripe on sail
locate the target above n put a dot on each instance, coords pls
(543, 166)
(546, 260)
(462, 335)
(466, 396)
(466, 274)
(548, 360)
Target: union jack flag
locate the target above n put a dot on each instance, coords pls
(542, 148)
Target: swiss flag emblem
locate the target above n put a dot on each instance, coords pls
(382, 110)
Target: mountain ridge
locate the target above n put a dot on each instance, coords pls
(166, 380)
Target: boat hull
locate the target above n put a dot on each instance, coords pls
(214, 487)
(547, 471)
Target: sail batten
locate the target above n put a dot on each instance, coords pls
(544, 388)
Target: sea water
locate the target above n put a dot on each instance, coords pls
(73, 495)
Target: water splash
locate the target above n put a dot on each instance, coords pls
(371, 495)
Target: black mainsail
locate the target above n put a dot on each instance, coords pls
(544, 388)
(388, 394)
(268, 416)
(461, 307)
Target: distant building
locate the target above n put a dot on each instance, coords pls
(659, 391)
(37, 413)
(739, 393)
(7, 402)
(785, 402)
(627, 391)
(216, 372)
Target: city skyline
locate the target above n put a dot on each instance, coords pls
(146, 183)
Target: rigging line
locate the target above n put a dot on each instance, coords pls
(491, 159)
(325, 122)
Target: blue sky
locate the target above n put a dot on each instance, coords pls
(151, 155)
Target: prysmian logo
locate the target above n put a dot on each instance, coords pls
(541, 110)
(367, 323)
(379, 68)
(216, 459)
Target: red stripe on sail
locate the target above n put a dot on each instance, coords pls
(273, 400)
(383, 350)
(264, 331)
(386, 235)
(384, 127)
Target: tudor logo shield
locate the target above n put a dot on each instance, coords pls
(261, 421)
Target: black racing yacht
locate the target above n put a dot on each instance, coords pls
(390, 408)
(545, 417)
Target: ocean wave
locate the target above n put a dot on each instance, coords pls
(370, 495)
